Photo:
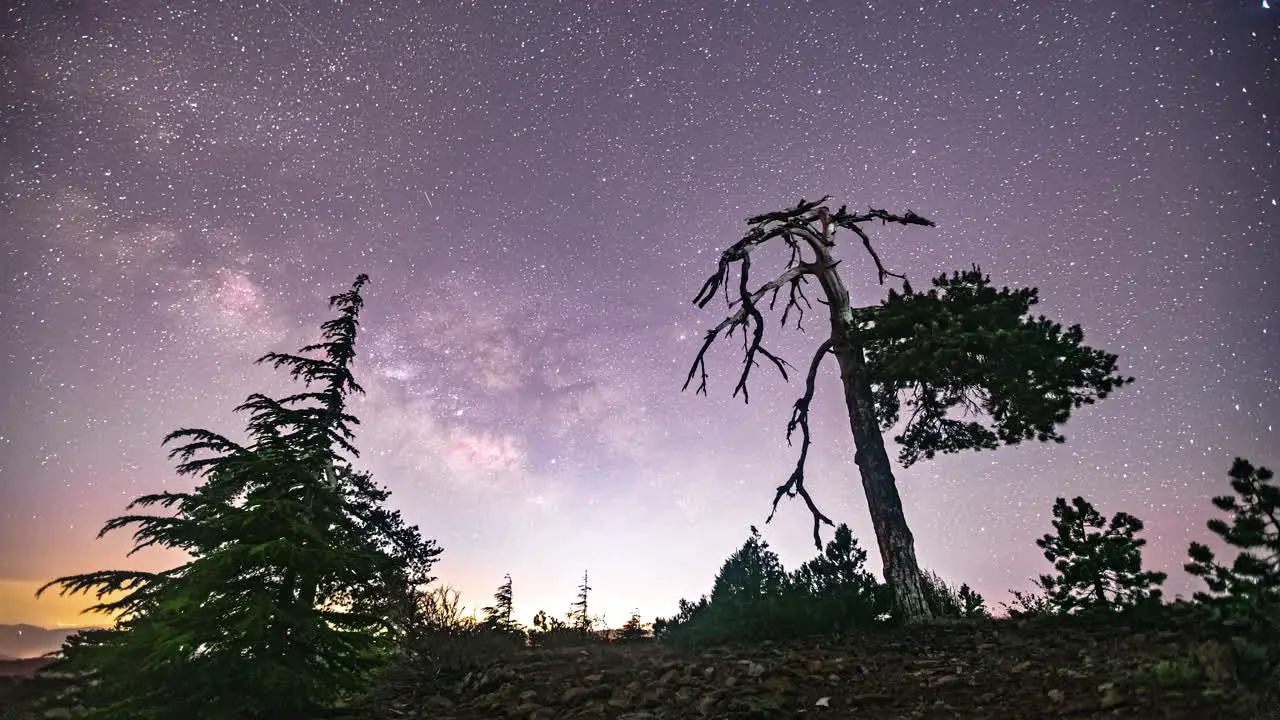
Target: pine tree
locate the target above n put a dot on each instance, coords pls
(961, 346)
(498, 615)
(299, 583)
(841, 564)
(838, 580)
(1251, 585)
(579, 618)
(971, 603)
(1097, 570)
(686, 611)
(754, 571)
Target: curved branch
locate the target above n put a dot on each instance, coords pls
(800, 419)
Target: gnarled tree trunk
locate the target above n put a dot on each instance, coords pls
(810, 225)
(893, 535)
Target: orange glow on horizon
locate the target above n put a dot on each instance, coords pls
(19, 605)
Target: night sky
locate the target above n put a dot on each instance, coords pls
(538, 189)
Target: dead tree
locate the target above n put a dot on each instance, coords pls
(811, 226)
(963, 346)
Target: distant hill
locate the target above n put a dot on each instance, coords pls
(28, 641)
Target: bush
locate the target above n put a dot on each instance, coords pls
(754, 598)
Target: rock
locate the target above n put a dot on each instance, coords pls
(944, 680)
(528, 709)
(439, 702)
(572, 694)
(1057, 696)
(1111, 696)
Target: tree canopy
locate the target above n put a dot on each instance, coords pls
(964, 345)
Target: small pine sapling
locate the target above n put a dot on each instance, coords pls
(971, 603)
(1097, 570)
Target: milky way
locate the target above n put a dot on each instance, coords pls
(537, 191)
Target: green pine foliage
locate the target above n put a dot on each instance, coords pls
(1098, 570)
(300, 583)
(838, 587)
(754, 598)
(1250, 587)
(751, 572)
(966, 346)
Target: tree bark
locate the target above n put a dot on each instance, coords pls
(893, 535)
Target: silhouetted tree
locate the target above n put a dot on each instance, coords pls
(686, 611)
(971, 603)
(750, 572)
(841, 564)
(498, 615)
(440, 609)
(967, 346)
(837, 584)
(1250, 587)
(633, 629)
(1097, 570)
(579, 618)
(299, 580)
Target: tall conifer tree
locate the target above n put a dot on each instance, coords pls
(299, 579)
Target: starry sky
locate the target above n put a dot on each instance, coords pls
(538, 189)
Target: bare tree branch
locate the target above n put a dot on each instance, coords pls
(743, 318)
(845, 220)
(795, 225)
(800, 419)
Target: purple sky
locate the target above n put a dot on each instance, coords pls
(538, 189)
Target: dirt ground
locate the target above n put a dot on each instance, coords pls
(969, 669)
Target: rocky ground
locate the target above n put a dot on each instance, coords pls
(972, 669)
(987, 669)
(21, 690)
